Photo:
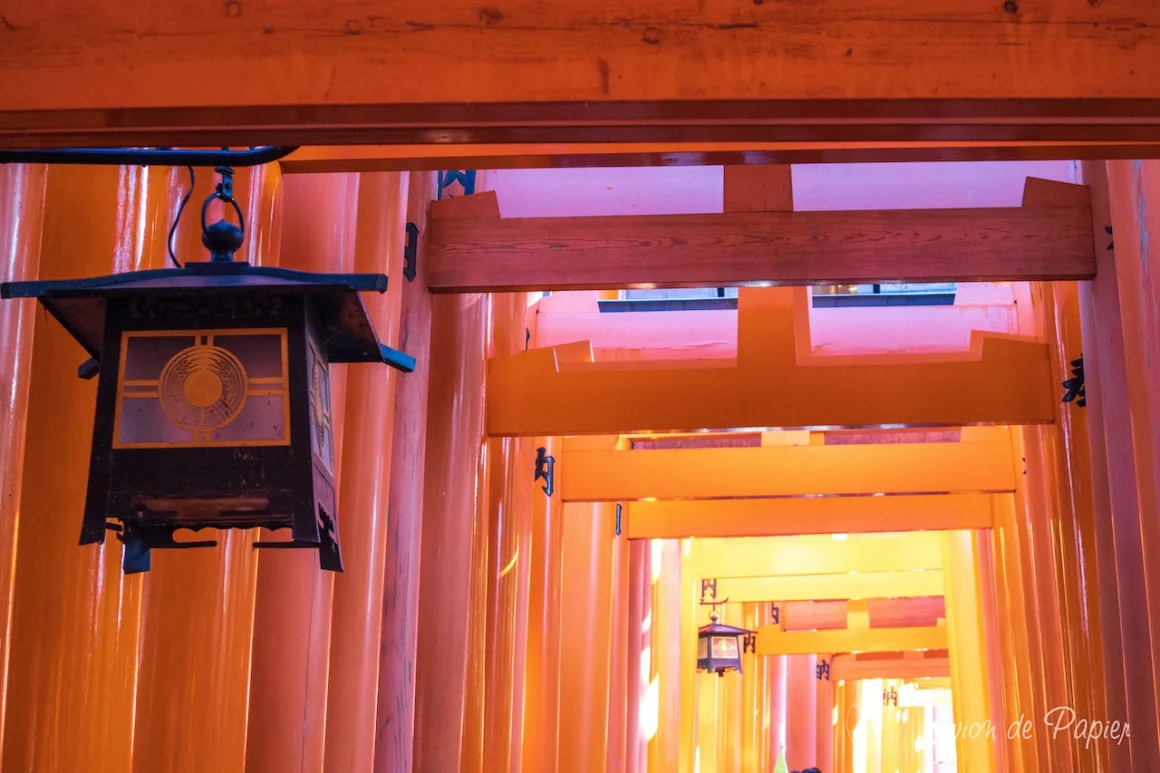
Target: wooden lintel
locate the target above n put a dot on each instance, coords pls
(850, 667)
(807, 515)
(789, 556)
(345, 71)
(775, 383)
(739, 248)
(815, 587)
(773, 641)
(786, 471)
(828, 615)
(391, 158)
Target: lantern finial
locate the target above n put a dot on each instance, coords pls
(223, 238)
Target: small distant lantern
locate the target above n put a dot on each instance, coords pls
(213, 398)
(721, 647)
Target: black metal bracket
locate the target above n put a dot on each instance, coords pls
(1076, 389)
(546, 470)
(822, 670)
(619, 511)
(775, 613)
(465, 177)
(411, 252)
(148, 156)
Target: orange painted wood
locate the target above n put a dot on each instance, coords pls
(1110, 346)
(884, 613)
(636, 636)
(773, 383)
(586, 636)
(75, 618)
(453, 490)
(1104, 552)
(506, 473)
(21, 220)
(395, 719)
(619, 731)
(292, 616)
(541, 697)
(197, 625)
(801, 711)
(364, 488)
(736, 248)
(348, 64)
(824, 726)
(393, 158)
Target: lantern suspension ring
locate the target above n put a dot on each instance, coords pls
(223, 238)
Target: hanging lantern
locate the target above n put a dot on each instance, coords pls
(720, 647)
(213, 396)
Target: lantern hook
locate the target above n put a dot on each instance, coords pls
(223, 238)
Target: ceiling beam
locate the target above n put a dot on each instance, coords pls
(594, 475)
(737, 248)
(883, 613)
(775, 382)
(849, 667)
(821, 587)
(810, 515)
(778, 556)
(393, 158)
(351, 71)
(773, 641)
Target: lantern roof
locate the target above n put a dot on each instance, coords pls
(79, 304)
(717, 629)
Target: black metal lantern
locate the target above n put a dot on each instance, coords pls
(720, 647)
(213, 399)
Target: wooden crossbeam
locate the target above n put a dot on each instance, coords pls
(773, 641)
(345, 71)
(775, 382)
(813, 587)
(811, 515)
(785, 556)
(883, 613)
(392, 158)
(739, 248)
(593, 475)
(934, 665)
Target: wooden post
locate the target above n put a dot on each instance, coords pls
(21, 220)
(356, 623)
(198, 612)
(75, 617)
(395, 722)
(453, 488)
(1115, 335)
(292, 615)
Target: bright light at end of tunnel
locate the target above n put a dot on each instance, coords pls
(650, 710)
(647, 623)
(658, 548)
(839, 537)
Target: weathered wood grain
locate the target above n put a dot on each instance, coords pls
(738, 248)
(865, 69)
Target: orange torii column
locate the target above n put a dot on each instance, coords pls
(752, 682)
(662, 708)
(778, 665)
(542, 670)
(619, 732)
(637, 635)
(198, 608)
(508, 471)
(356, 623)
(1117, 315)
(21, 214)
(291, 653)
(395, 721)
(589, 564)
(454, 494)
(801, 708)
(824, 724)
(72, 664)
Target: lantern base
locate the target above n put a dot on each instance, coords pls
(158, 519)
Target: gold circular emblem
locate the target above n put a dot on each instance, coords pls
(202, 388)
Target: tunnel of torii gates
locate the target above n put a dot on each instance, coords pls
(947, 553)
